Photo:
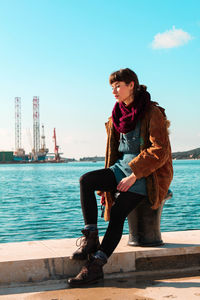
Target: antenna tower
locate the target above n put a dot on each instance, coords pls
(17, 123)
(36, 127)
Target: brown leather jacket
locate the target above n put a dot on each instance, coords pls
(154, 161)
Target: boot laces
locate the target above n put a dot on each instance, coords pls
(80, 241)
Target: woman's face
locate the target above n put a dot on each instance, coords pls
(123, 92)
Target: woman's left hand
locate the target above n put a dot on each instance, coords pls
(126, 183)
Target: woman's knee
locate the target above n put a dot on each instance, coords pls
(84, 179)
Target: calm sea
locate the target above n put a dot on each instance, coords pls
(41, 201)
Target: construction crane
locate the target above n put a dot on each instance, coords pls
(56, 147)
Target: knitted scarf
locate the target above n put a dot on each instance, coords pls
(125, 117)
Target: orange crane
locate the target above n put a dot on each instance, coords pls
(56, 147)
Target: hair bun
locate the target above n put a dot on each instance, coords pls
(142, 87)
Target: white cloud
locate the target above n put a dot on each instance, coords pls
(171, 38)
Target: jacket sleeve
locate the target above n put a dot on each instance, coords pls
(112, 153)
(154, 156)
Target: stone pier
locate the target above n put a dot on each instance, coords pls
(40, 261)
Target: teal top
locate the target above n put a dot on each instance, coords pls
(130, 147)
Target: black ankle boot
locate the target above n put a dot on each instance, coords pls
(92, 272)
(89, 244)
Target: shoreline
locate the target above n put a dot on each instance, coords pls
(74, 161)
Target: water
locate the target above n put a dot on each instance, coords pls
(41, 201)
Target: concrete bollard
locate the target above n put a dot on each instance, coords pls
(144, 224)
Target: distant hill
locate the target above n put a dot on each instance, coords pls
(191, 154)
(94, 158)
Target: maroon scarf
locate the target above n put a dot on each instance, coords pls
(125, 117)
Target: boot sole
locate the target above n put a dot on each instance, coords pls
(85, 284)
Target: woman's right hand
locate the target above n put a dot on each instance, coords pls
(126, 183)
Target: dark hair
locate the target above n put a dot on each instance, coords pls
(140, 91)
(125, 75)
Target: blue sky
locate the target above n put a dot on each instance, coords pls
(64, 52)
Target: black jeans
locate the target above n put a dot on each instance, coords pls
(125, 202)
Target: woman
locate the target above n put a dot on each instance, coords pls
(138, 166)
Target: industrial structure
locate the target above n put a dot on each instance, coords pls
(36, 128)
(39, 150)
(43, 148)
(38, 153)
(19, 151)
(6, 156)
(17, 123)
